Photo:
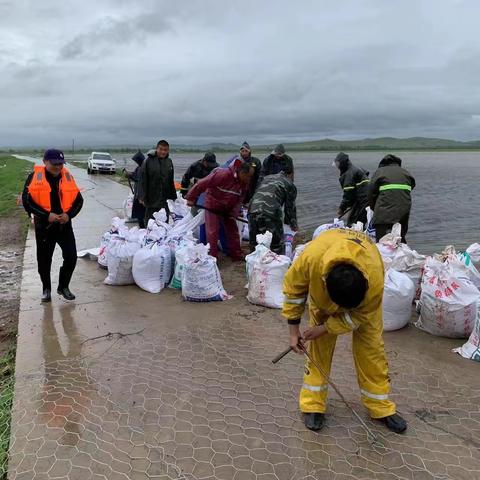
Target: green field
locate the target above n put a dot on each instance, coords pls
(13, 173)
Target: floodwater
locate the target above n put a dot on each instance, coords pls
(445, 201)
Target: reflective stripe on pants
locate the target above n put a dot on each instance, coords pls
(370, 363)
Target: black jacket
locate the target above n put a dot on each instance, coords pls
(196, 171)
(354, 182)
(155, 183)
(272, 165)
(40, 214)
(389, 193)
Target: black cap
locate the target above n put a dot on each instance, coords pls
(210, 158)
(54, 156)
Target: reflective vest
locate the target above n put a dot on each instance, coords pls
(39, 189)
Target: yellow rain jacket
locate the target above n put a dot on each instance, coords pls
(306, 279)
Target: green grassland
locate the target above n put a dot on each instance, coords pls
(13, 173)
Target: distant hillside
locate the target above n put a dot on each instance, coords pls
(327, 144)
(383, 143)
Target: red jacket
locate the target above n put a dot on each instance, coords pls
(224, 191)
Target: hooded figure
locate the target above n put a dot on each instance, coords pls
(354, 182)
(278, 161)
(138, 210)
(198, 170)
(246, 155)
(389, 196)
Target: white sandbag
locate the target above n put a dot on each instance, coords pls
(152, 267)
(298, 250)
(89, 254)
(265, 279)
(178, 248)
(370, 229)
(201, 281)
(117, 229)
(128, 207)
(328, 226)
(473, 273)
(448, 302)
(243, 230)
(471, 348)
(288, 238)
(189, 223)
(264, 240)
(398, 296)
(402, 258)
(474, 252)
(266, 270)
(120, 254)
(178, 208)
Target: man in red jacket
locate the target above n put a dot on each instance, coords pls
(226, 189)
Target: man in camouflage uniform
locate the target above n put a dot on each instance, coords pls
(265, 211)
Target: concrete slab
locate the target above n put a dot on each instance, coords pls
(195, 395)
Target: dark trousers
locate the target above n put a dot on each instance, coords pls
(381, 229)
(46, 239)
(260, 224)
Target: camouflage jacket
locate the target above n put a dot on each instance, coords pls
(276, 191)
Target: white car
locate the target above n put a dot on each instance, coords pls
(101, 162)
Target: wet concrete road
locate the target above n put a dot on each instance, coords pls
(195, 395)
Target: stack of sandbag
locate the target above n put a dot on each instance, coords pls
(158, 227)
(178, 208)
(328, 226)
(401, 257)
(449, 299)
(117, 229)
(265, 273)
(398, 296)
(120, 253)
(201, 281)
(128, 207)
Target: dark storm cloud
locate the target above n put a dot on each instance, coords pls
(109, 33)
(116, 72)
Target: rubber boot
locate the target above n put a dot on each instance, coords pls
(314, 421)
(395, 423)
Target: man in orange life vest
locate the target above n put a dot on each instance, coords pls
(53, 198)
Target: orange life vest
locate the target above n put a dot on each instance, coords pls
(39, 189)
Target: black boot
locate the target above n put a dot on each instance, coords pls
(46, 295)
(394, 422)
(314, 421)
(66, 293)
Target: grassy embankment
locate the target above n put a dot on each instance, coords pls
(13, 222)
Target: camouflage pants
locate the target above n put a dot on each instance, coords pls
(258, 223)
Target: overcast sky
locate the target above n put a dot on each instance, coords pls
(125, 72)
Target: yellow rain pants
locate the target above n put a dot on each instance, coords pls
(306, 279)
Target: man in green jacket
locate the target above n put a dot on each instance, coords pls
(389, 196)
(156, 184)
(354, 183)
(275, 193)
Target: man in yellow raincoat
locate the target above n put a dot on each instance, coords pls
(341, 274)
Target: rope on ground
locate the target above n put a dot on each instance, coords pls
(110, 335)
